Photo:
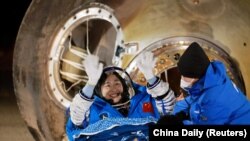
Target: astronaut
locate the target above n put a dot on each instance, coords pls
(108, 94)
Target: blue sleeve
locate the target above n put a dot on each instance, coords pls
(214, 114)
(70, 128)
(182, 105)
(139, 88)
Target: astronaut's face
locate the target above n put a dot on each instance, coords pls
(112, 89)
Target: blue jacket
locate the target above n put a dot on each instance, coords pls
(214, 99)
(142, 105)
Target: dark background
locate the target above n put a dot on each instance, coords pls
(12, 12)
(12, 126)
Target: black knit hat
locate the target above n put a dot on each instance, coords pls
(194, 62)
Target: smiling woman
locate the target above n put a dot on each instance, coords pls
(111, 98)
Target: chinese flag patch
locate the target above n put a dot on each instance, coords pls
(147, 107)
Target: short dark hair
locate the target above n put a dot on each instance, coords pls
(102, 80)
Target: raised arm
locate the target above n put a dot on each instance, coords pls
(164, 96)
(83, 100)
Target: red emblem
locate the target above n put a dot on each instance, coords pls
(147, 107)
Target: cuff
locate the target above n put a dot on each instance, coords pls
(87, 92)
(156, 81)
(152, 80)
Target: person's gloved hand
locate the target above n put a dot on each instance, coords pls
(146, 63)
(93, 69)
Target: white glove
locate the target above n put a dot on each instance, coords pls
(93, 69)
(146, 63)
